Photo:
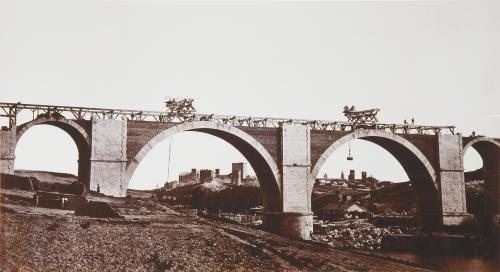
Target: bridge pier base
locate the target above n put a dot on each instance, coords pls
(292, 224)
(492, 192)
(8, 141)
(455, 219)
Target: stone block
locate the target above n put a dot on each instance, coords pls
(295, 197)
(455, 219)
(110, 176)
(450, 152)
(109, 139)
(295, 168)
(295, 145)
(453, 192)
(296, 225)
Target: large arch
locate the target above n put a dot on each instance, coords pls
(418, 168)
(489, 150)
(79, 135)
(261, 161)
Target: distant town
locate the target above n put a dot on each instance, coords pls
(333, 198)
(238, 176)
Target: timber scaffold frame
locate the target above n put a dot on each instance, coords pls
(11, 111)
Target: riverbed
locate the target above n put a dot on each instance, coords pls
(444, 262)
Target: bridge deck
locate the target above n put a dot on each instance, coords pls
(11, 111)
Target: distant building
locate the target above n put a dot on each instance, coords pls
(224, 178)
(372, 182)
(206, 175)
(195, 175)
(364, 179)
(184, 177)
(343, 210)
(170, 185)
(352, 175)
(189, 177)
(348, 195)
(238, 172)
(236, 177)
(384, 183)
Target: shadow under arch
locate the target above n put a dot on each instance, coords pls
(489, 150)
(261, 161)
(75, 131)
(418, 168)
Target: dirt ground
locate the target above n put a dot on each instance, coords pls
(39, 239)
(43, 243)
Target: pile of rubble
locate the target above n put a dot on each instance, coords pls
(97, 209)
(475, 187)
(133, 206)
(357, 234)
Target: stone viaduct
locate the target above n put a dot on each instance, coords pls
(286, 155)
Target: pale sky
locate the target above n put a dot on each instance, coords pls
(436, 61)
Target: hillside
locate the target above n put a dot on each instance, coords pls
(398, 197)
(48, 177)
(139, 193)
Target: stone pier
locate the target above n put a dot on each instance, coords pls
(451, 180)
(8, 141)
(296, 219)
(108, 160)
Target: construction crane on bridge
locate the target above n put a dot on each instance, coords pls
(361, 118)
(180, 106)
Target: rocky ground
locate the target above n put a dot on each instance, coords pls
(354, 234)
(154, 238)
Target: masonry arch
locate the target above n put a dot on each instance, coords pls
(489, 151)
(418, 168)
(261, 161)
(79, 135)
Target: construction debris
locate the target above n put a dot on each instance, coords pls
(96, 209)
(357, 234)
(8, 181)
